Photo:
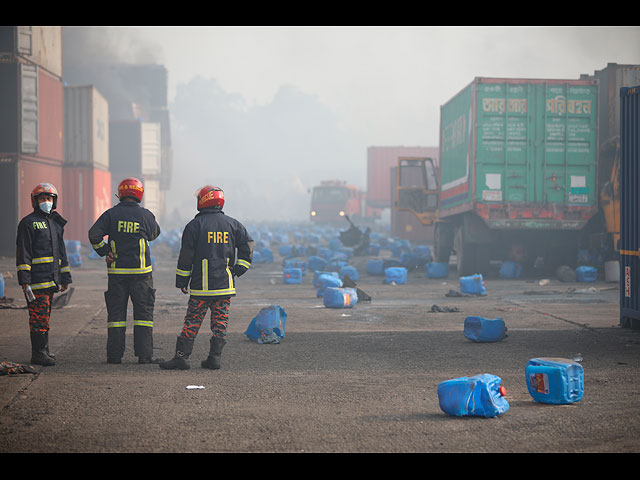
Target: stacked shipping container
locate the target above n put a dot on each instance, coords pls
(31, 121)
(86, 176)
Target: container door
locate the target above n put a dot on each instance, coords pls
(29, 108)
(566, 144)
(504, 132)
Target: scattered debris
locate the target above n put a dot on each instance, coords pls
(194, 387)
(437, 309)
(362, 296)
(11, 368)
(63, 299)
(455, 293)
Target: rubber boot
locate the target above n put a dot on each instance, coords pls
(46, 345)
(215, 351)
(38, 352)
(180, 361)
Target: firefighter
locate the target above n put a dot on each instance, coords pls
(129, 227)
(215, 249)
(43, 267)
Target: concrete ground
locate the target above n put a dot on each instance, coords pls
(353, 380)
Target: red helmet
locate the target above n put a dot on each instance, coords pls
(210, 197)
(131, 187)
(44, 189)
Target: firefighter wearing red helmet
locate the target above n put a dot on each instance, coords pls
(129, 228)
(43, 267)
(215, 250)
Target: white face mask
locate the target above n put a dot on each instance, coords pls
(46, 207)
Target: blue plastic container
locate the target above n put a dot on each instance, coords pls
(75, 259)
(473, 284)
(586, 274)
(268, 326)
(340, 297)
(285, 250)
(292, 275)
(557, 381)
(510, 269)
(296, 263)
(351, 271)
(316, 263)
(375, 267)
(437, 270)
(1, 286)
(318, 273)
(327, 281)
(480, 396)
(480, 329)
(397, 275)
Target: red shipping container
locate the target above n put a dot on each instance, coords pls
(87, 194)
(31, 171)
(50, 116)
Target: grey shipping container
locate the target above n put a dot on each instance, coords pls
(86, 128)
(134, 148)
(630, 207)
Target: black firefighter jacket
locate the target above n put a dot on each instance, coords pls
(41, 256)
(207, 262)
(129, 228)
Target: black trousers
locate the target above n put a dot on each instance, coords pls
(140, 289)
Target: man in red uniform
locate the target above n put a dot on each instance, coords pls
(43, 267)
(215, 249)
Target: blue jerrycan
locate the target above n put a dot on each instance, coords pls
(335, 297)
(480, 396)
(557, 381)
(480, 329)
(292, 275)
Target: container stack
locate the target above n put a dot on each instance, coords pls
(31, 121)
(86, 175)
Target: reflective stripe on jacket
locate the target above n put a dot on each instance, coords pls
(213, 245)
(129, 228)
(41, 256)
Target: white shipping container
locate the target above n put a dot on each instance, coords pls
(86, 127)
(151, 154)
(153, 197)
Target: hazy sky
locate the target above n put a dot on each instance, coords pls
(351, 87)
(386, 83)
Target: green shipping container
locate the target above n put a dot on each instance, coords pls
(521, 153)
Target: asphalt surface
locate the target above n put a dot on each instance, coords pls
(355, 380)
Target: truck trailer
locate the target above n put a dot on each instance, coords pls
(518, 172)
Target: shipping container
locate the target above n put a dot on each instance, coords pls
(39, 45)
(518, 176)
(86, 128)
(135, 148)
(87, 194)
(380, 160)
(19, 174)
(630, 207)
(31, 111)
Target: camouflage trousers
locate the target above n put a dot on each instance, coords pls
(196, 311)
(40, 312)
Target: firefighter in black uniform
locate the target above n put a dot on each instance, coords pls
(43, 268)
(129, 228)
(215, 249)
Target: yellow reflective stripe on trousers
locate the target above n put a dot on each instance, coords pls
(116, 324)
(42, 260)
(143, 323)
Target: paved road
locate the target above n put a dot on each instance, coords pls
(342, 380)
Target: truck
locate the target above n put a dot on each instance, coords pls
(333, 199)
(518, 172)
(414, 193)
